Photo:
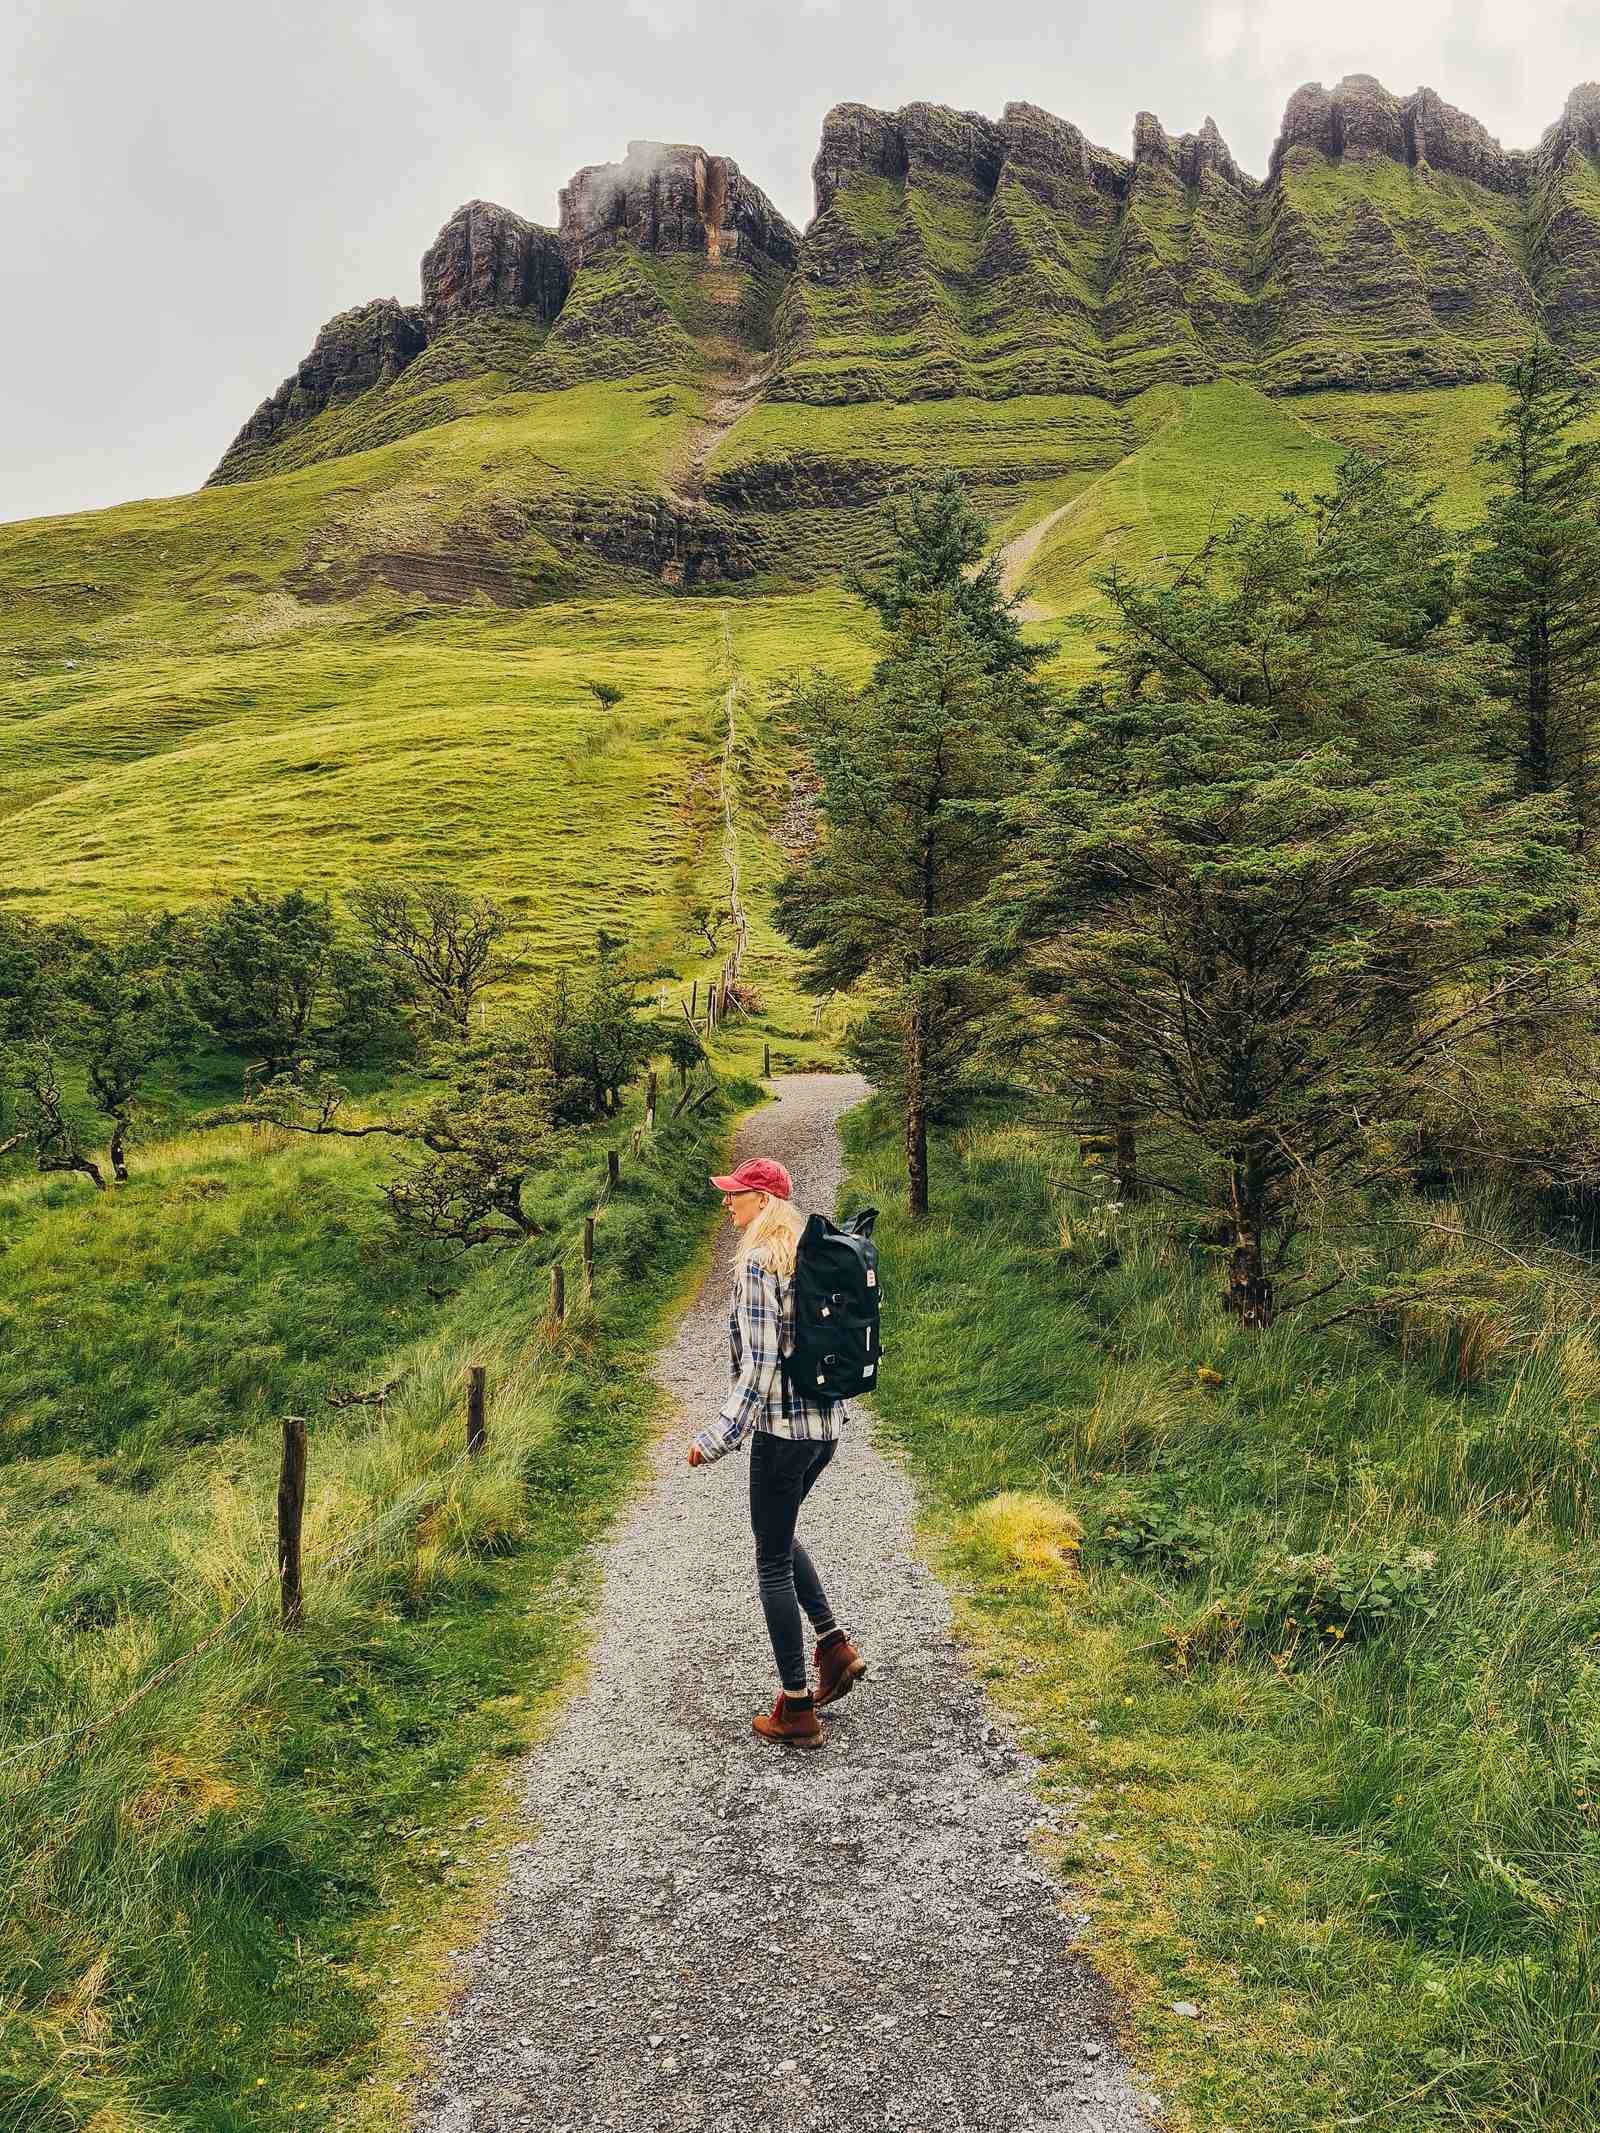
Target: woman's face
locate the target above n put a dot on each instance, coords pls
(743, 1207)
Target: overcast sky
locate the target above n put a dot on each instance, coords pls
(189, 188)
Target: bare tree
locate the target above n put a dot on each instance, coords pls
(48, 1126)
(438, 941)
(471, 1152)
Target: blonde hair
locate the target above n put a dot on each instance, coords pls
(772, 1236)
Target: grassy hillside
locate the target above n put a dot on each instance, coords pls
(378, 661)
(1318, 1696)
(212, 690)
(1211, 451)
(223, 1899)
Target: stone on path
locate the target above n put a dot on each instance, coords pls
(704, 1931)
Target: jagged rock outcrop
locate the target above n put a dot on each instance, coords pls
(1448, 140)
(1577, 131)
(1056, 160)
(1396, 249)
(922, 140)
(1359, 118)
(1192, 157)
(1043, 263)
(665, 198)
(353, 352)
(488, 259)
(494, 285)
(1393, 242)
(1564, 232)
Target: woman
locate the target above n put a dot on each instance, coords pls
(794, 1440)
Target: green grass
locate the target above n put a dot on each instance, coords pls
(1372, 1861)
(993, 441)
(203, 1898)
(220, 690)
(1215, 450)
(179, 574)
(468, 741)
(213, 1290)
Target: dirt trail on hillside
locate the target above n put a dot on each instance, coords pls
(704, 1932)
(730, 826)
(732, 397)
(1017, 553)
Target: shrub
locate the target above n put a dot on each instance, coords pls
(1299, 1607)
(1155, 1532)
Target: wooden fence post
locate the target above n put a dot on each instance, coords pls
(694, 998)
(558, 1293)
(766, 1062)
(588, 1257)
(613, 1168)
(291, 1512)
(477, 1403)
(650, 1103)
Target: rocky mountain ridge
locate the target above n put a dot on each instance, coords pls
(1393, 243)
(663, 202)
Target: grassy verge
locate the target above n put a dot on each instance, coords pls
(1323, 1682)
(219, 1902)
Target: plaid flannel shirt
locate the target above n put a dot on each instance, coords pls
(760, 1327)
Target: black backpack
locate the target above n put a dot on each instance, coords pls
(835, 1353)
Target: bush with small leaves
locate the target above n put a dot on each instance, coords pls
(1152, 1530)
(1299, 1608)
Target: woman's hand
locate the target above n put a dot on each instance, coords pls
(696, 1456)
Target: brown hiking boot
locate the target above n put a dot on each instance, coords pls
(839, 1667)
(790, 1725)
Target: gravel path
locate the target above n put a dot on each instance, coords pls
(704, 1931)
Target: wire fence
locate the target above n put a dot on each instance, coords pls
(721, 999)
(291, 1504)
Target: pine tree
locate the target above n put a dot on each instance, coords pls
(1533, 583)
(912, 769)
(939, 543)
(1271, 871)
(915, 768)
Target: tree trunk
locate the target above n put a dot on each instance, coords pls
(1249, 1289)
(1126, 1169)
(1537, 754)
(81, 1166)
(917, 1115)
(119, 1144)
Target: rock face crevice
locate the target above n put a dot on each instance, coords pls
(664, 200)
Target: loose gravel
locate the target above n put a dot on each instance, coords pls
(702, 1930)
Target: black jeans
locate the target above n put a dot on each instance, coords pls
(783, 1472)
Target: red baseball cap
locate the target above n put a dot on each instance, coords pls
(758, 1173)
